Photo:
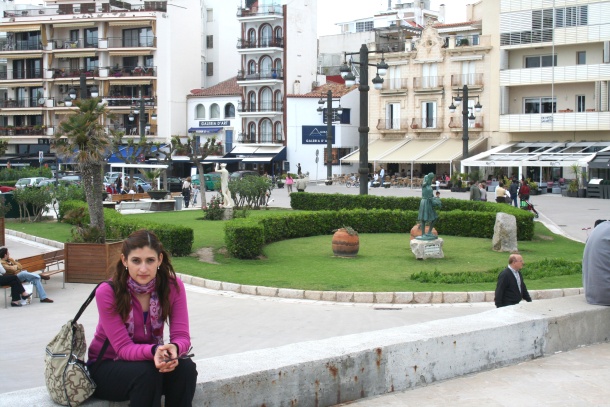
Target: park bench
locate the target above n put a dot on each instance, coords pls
(40, 262)
(128, 197)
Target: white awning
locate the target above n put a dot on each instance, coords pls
(130, 23)
(448, 151)
(377, 149)
(74, 54)
(130, 53)
(74, 24)
(19, 28)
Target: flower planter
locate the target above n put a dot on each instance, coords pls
(157, 194)
(572, 194)
(344, 244)
(90, 262)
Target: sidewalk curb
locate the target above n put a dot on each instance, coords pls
(425, 297)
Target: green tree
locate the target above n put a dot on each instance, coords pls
(83, 137)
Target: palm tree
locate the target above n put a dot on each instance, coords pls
(82, 136)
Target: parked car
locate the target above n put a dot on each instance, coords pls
(174, 184)
(212, 181)
(241, 174)
(145, 185)
(71, 179)
(28, 182)
(4, 189)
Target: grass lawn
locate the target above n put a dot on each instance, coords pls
(384, 263)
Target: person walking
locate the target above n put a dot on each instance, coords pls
(12, 266)
(511, 289)
(142, 297)
(289, 183)
(513, 189)
(483, 189)
(475, 192)
(299, 170)
(186, 191)
(524, 191)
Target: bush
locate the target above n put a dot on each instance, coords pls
(32, 202)
(214, 211)
(250, 191)
(14, 174)
(244, 238)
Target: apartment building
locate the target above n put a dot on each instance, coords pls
(132, 55)
(277, 49)
(554, 75)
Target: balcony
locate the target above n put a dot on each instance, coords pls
(393, 86)
(143, 41)
(88, 8)
(473, 80)
(261, 107)
(426, 124)
(556, 75)
(59, 73)
(19, 45)
(26, 103)
(277, 42)
(260, 12)
(569, 121)
(251, 138)
(426, 84)
(274, 75)
(23, 131)
(389, 126)
(128, 101)
(20, 74)
(68, 44)
(456, 123)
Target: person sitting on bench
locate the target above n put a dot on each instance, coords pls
(17, 290)
(13, 267)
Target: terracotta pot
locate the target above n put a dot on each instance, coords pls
(416, 232)
(344, 244)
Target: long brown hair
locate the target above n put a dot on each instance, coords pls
(165, 275)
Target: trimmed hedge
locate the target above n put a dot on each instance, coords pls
(177, 240)
(245, 238)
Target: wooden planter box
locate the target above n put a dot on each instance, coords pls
(90, 262)
(2, 231)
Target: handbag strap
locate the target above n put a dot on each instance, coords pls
(86, 303)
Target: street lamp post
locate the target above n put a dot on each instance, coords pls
(466, 118)
(330, 111)
(363, 129)
(142, 114)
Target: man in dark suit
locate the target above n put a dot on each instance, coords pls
(511, 288)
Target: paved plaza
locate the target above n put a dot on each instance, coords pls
(224, 323)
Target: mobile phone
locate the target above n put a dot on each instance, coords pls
(180, 357)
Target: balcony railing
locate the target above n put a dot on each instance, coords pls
(456, 123)
(88, 8)
(18, 45)
(467, 40)
(141, 41)
(275, 9)
(276, 42)
(392, 124)
(24, 103)
(129, 101)
(11, 74)
(23, 131)
(427, 123)
(427, 82)
(470, 79)
(569, 121)
(56, 73)
(272, 74)
(248, 138)
(67, 43)
(395, 84)
(261, 107)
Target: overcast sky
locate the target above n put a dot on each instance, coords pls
(335, 11)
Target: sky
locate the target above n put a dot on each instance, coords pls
(335, 11)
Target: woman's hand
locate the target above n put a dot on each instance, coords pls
(166, 358)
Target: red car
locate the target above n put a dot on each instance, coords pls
(4, 189)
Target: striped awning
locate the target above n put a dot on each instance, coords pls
(130, 53)
(13, 55)
(130, 23)
(14, 84)
(20, 112)
(74, 24)
(130, 82)
(19, 28)
(74, 54)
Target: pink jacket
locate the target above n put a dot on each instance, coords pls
(122, 347)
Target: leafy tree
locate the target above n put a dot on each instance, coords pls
(197, 153)
(32, 202)
(251, 191)
(83, 137)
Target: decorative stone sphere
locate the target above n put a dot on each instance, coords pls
(415, 232)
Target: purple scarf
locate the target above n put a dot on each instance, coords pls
(154, 309)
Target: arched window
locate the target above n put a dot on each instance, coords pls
(278, 101)
(278, 66)
(215, 111)
(251, 67)
(229, 111)
(279, 137)
(266, 100)
(252, 37)
(251, 102)
(266, 131)
(266, 67)
(266, 36)
(251, 136)
(200, 112)
(278, 34)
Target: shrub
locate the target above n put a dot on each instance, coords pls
(32, 202)
(214, 210)
(250, 191)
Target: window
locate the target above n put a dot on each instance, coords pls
(251, 102)
(149, 61)
(428, 110)
(278, 132)
(540, 105)
(538, 61)
(209, 40)
(210, 18)
(27, 41)
(362, 26)
(251, 132)
(209, 68)
(91, 63)
(266, 131)
(91, 38)
(229, 111)
(138, 37)
(74, 36)
(266, 35)
(580, 103)
(130, 62)
(214, 111)
(581, 58)
(265, 67)
(571, 16)
(200, 112)
(266, 100)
